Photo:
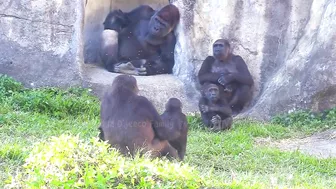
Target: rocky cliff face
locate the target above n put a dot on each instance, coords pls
(289, 47)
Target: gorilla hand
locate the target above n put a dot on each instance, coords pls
(216, 122)
(215, 119)
(204, 108)
(225, 79)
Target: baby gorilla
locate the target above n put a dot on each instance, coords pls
(175, 126)
(215, 112)
(128, 120)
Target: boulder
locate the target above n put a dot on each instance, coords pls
(41, 43)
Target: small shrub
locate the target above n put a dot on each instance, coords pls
(68, 162)
(307, 119)
(8, 86)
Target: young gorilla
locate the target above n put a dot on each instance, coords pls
(128, 121)
(146, 42)
(230, 71)
(175, 126)
(215, 111)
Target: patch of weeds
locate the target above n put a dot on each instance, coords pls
(57, 102)
(8, 86)
(307, 121)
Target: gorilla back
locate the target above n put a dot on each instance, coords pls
(128, 120)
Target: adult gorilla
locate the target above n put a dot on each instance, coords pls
(229, 71)
(146, 41)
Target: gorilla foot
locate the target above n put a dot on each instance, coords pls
(128, 68)
(225, 124)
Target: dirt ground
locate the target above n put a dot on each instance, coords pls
(321, 145)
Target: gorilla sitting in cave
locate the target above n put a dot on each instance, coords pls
(146, 41)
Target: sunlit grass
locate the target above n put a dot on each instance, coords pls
(229, 159)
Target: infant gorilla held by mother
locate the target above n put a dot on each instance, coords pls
(146, 41)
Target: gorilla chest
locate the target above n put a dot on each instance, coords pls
(131, 48)
(223, 68)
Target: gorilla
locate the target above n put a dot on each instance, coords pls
(146, 40)
(118, 20)
(215, 112)
(128, 121)
(229, 71)
(175, 126)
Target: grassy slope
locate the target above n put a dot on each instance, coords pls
(231, 157)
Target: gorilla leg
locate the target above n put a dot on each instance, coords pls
(180, 145)
(206, 119)
(227, 123)
(130, 68)
(162, 148)
(241, 96)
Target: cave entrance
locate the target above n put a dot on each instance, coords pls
(95, 14)
(157, 88)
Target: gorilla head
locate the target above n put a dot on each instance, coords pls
(221, 49)
(211, 92)
(164, 21)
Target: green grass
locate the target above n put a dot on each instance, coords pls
(50, 134)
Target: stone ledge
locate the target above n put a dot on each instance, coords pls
(158, 88)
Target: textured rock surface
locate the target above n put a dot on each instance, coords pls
(289, 47)
(158, 89)
(41, 41)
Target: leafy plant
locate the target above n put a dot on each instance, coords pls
(8, 86)
(69, 162)
(307, 120)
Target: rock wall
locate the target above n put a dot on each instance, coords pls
(41, 41)
(289, 47)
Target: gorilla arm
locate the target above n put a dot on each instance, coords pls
(162, 63)
(223, 109)
(150, 111)
(204, 114)
(243, 76)
(205, 75)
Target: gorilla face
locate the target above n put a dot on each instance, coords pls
(158, 27)
(212, 92)
(221, 50)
